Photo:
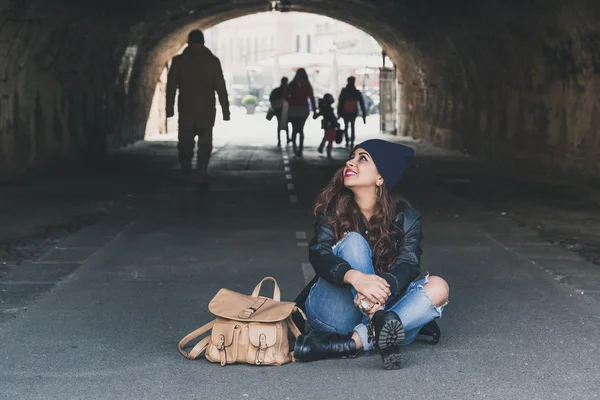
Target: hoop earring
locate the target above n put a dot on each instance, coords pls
(379, 192)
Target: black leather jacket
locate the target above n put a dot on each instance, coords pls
(405, 269)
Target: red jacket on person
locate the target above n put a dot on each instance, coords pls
(297, 97)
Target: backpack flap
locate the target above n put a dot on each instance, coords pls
(239, 307)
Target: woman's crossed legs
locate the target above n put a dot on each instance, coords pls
(331, 308)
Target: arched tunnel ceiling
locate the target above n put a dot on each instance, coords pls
(505, 79)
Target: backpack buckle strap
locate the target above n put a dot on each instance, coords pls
(247, 313)
(222, 351)
(262, 349)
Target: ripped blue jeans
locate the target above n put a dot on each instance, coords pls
(331, 308)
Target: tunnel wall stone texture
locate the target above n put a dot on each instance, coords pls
(507, 80)
(59, 97)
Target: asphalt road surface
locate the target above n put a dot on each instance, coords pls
(100, 314)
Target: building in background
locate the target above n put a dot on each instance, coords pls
(257, 50)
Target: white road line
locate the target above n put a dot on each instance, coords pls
(308, 272)
(290, 186)
(300, 235)
(288, 177)
(302, 244)
(293, 199)
(287, 169)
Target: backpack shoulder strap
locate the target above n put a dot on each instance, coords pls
(292, 325)
(200, 346)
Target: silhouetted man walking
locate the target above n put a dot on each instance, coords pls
(198, 75)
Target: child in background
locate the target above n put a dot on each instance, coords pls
(329, 122)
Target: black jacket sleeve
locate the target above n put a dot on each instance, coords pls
(406, 268)
(326, 264)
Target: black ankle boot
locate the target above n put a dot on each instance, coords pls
(319, 345)
(430, 333)
(388, 332)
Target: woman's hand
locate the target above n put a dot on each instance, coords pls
(373, 287)
(374, 308)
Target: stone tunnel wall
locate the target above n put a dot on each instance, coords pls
(524, 84)
(60, 95)
(509, 80)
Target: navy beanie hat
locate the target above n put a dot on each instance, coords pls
(391, 159)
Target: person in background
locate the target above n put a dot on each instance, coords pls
(350, 99)
(276, 100)
(329, 122)
(298, 94)
(197, 73)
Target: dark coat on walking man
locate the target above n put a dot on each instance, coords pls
(197, 73)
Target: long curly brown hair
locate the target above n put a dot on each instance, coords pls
(336, 203)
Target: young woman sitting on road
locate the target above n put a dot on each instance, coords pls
(366, 254)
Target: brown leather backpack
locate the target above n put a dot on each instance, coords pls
(248, 329)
